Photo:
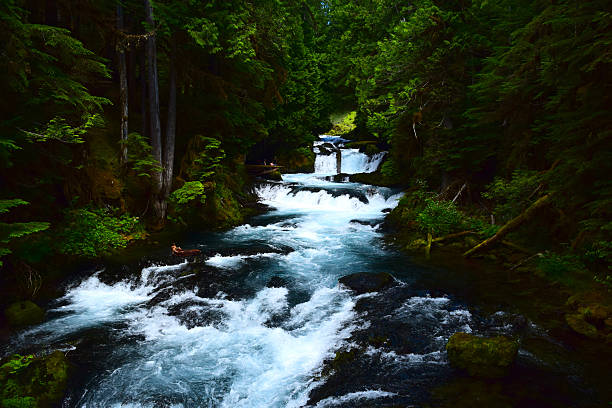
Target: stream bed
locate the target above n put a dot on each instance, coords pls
(259, 318)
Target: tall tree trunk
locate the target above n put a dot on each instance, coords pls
(170, 125)
(123, 86)
(142, 61)
(158, 201)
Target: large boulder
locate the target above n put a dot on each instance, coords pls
(578, 324)
(481, 356)
(23, 313)
(364, 282)
(590, 312)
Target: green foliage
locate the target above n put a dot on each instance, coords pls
(512, 196)
(92, 232)
(390, 170)
(440, 217)
(139, 155)
(559, 267)
(208, 159)
(599, 256)
(20, 402)
(483, 228)
(345, 125)
(59, 129)
(191, 190)
(13, 230)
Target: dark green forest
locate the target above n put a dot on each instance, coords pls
(125, 119)
(120, 118)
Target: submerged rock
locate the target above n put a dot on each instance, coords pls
(24, 313)
(364, 282)
(28, 381)
(480, 356)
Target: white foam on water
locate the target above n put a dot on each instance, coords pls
(354, 397)
(434, 357)
(93, 302)
(235, 261)
(285, 198)
(242, 361)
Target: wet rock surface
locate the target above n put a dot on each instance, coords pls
(24, 313)
(365, 282)
(480, 356)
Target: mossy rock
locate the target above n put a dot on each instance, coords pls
(593, 306)
(577, 323)
(480, 356)
(222, 208)
(24, 313)
(27, 381)
(594, 313)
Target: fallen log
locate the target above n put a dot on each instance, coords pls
(525, 260)
(510, 225)
(454, 235)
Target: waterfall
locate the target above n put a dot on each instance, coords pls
(353, 161)
(326, 164)
(348, 161)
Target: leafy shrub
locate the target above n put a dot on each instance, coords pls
(483, 228)
(440, 217)
(599, 255)
(92, 232)
(559, 267)
(13, 230)
(514, 195)
(206, 156)
(191, 190)
(186, 198)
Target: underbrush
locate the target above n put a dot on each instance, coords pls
(92, 232)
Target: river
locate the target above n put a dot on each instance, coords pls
(256, 320)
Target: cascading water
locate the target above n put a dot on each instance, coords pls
(253, 323)
(351, 161)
